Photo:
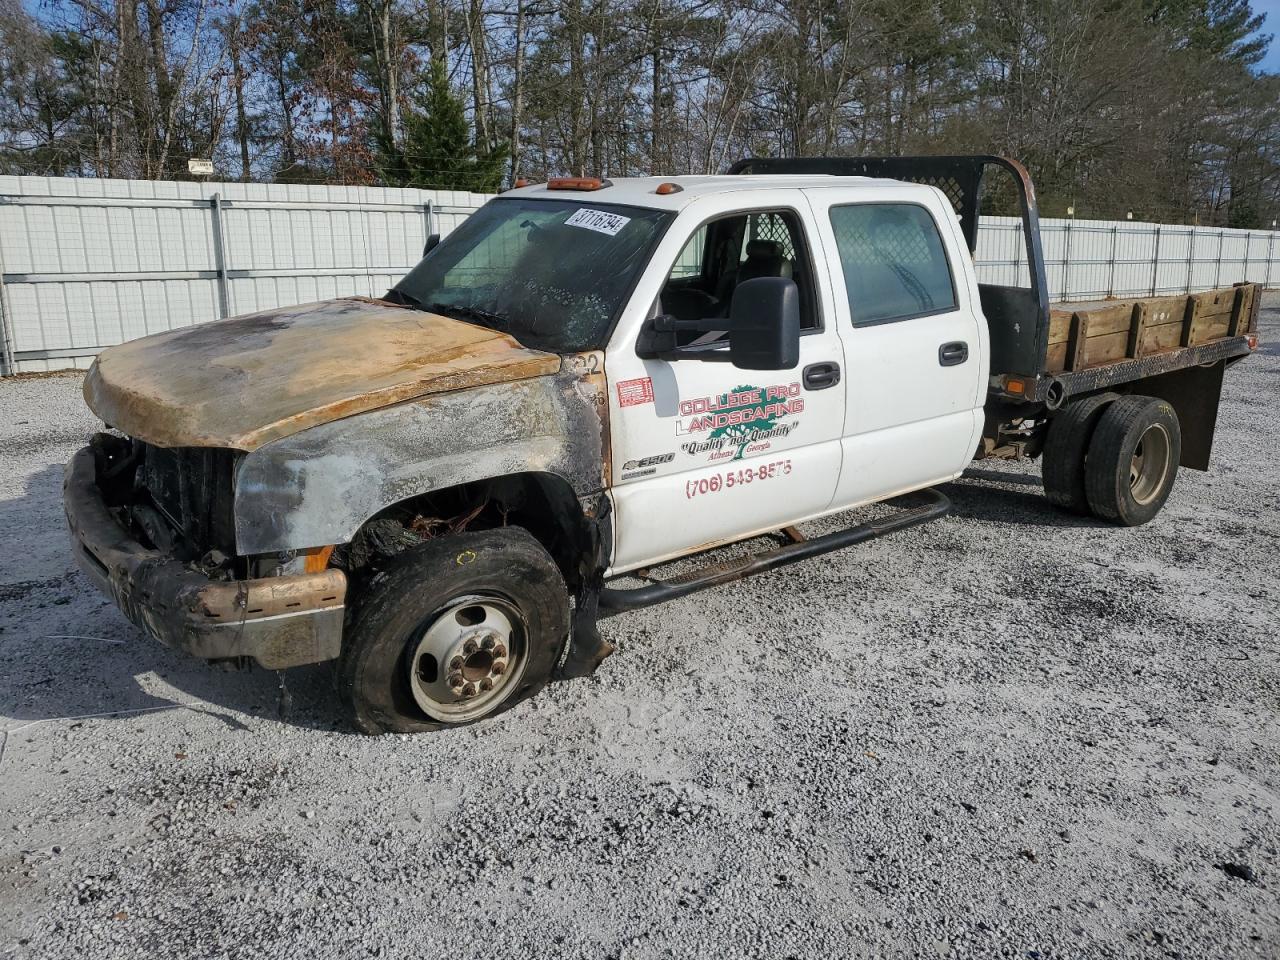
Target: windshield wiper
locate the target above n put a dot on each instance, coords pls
(464, 312)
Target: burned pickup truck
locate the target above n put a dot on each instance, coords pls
(441, 490)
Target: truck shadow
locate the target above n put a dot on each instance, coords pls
(983, 493)
(68, 656)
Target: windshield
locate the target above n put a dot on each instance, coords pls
(552, 273)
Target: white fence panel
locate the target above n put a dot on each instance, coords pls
(88, 263)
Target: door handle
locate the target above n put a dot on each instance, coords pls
(819, 376)
(953, 354)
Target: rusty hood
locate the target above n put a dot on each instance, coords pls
(245, 381)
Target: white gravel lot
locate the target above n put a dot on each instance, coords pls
(1011, 733)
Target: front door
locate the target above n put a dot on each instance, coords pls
(704, 453)
(914, 338)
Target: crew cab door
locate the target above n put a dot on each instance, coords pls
(915, 341)
(702, 452)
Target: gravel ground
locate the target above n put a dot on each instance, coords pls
(1009, 733)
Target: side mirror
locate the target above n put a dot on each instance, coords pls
(764, 324)
(433, 241)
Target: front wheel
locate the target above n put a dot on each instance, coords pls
(1133, 460)
(452, 631)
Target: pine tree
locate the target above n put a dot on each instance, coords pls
(438, 152)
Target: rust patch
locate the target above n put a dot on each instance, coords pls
(245, 381)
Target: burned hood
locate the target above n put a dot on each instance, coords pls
(245, 381)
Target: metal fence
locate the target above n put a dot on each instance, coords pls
(88, 263)
(1095, 259)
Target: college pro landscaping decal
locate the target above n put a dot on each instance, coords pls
(741, 421)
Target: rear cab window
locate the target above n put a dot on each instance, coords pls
(894, 262)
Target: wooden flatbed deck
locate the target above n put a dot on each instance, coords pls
(1083, 336)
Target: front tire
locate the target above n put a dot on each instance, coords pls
(453, 631)
(1133, 460)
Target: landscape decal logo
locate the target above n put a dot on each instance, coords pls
(740, 417)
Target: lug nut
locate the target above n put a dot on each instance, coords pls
(488, 642)
(469, 647)
(456, 663)
(469, 690)
(499, 666)
(486, 684)
(499, 651)
(455, 680)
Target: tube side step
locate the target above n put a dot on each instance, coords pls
(615, 600)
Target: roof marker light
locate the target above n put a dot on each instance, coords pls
(578, 183)
(668, 188)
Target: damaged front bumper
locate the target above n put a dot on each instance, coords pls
(278, 621)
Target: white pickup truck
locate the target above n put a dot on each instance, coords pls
(439, 489)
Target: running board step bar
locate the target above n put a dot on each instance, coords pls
(614, 600)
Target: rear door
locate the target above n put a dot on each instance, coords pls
(915, 342)
(704, 453)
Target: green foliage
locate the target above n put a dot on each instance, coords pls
(438, 151)
(1224, 30)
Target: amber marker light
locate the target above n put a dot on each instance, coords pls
(665, 189)
(577, 183)
(316, 559)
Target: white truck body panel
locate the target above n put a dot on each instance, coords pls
(910, 422)
(896, 421)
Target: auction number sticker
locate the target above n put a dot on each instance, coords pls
(599, 221)
(632, 393)
(736, 478)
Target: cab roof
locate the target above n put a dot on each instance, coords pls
(640, 191)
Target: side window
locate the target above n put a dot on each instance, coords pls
(894, 263)
(689, 263)
(723, 253)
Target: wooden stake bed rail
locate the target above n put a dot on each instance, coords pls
(1083, 336)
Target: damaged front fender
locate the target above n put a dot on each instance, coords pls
(319, 486)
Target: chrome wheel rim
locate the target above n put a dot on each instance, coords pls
(470, 655)
(1149, 464)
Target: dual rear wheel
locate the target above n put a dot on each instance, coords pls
(1115, 457)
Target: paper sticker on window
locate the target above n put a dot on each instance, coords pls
(598, 220)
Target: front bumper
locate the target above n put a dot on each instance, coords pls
(278, 621)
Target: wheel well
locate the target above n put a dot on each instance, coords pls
(542, 503)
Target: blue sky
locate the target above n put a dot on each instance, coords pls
(1272, 9)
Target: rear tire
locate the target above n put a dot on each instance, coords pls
(1065, 448)
(453, 631)
(1133, 460)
